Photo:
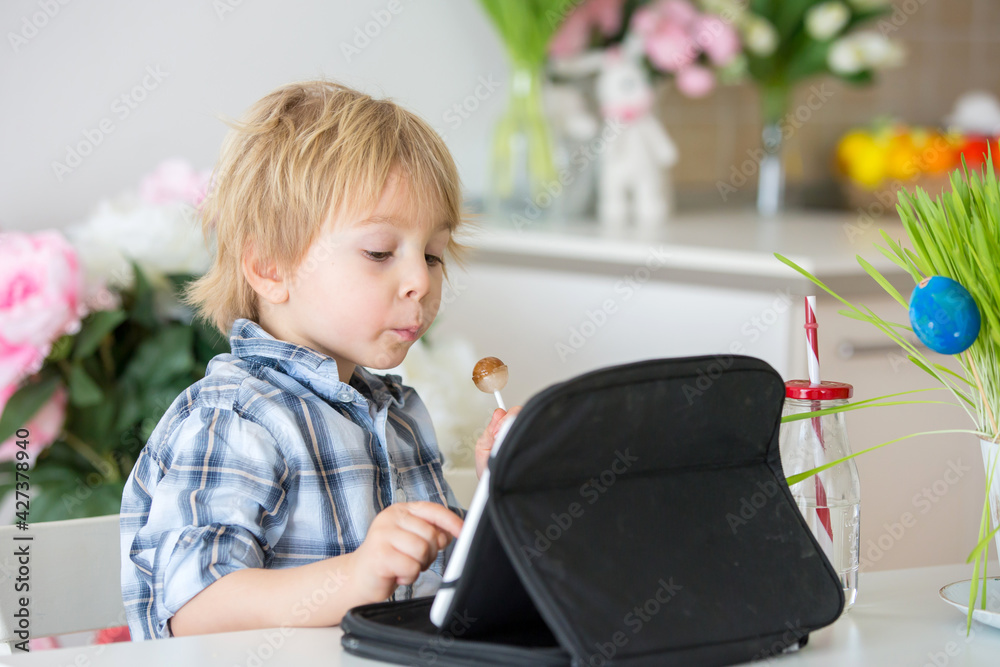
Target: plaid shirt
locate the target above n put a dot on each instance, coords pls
(269, 461)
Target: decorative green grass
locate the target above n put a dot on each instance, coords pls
(957, 235)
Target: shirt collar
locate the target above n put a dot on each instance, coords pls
(315, 370)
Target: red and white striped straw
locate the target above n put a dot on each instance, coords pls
(812, 340)
(812, 350)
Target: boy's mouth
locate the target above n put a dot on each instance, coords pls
(408, 334)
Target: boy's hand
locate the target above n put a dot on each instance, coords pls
(403, 541)
(485, 443)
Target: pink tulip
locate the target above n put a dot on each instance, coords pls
(679, 12)
(695, 81)
(573, 36)
(42, 429)
(716, 38)
(607, 15)
(670, 48)
(175, 180)
(41, 298)
(645, 21)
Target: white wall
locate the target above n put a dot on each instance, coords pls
(219, 56)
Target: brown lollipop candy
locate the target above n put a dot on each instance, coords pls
(490, 376)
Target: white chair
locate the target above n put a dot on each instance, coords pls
(73, 577)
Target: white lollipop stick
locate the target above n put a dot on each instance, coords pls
(500, 400)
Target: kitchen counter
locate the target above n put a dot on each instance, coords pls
(734, 248)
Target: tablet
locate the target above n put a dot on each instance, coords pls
(479, 581)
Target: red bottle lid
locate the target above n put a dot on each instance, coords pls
(824, 391)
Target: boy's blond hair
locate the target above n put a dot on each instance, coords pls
(303, 151)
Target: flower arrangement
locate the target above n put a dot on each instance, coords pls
(94, 344)
(790, 41)
(954, 309)
(677, 38)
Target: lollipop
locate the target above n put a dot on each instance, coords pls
(490, 375)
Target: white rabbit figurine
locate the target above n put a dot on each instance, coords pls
(637, 146)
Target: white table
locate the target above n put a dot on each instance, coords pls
(898, 620)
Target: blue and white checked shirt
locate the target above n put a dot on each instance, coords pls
(269, 461)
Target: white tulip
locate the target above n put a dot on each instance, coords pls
(826, 19)
(845, 57)
(864, 50)
(759, 35)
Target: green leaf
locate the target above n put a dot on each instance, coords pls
(142, 309)
(95, 328)
(61, 348)
(164, 356)
(853, 406)
(129, 401)
(25, 402)
(209, 341)
(881, 280)
(83, 391)
(795, 479)
(93, 426)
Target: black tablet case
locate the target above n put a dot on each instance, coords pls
(642, 512)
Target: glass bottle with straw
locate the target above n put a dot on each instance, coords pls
(830, 501)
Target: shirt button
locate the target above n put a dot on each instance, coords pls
(345, 396)
(401, 496)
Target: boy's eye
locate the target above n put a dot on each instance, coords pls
(434, 260)
(377, 256)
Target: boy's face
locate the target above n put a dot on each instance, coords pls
(367, 290)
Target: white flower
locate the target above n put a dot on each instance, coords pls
(826, 19)
(759, 35)
(864, 50)
(441, 373)
(161, 238)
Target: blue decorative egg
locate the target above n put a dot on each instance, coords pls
(944, 315)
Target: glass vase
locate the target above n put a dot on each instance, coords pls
(523, 185)
(771, 176)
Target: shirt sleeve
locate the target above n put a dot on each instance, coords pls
(218, 506)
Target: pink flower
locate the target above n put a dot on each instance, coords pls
(670, 48)
(18, 361)
(41, 290)
(607, 15)
(716, 38)
(43, 428)
(573, 36)
(175, 180)
(645, 21)
(679, 12)
(695, 81)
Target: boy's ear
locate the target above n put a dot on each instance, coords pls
(264, 278)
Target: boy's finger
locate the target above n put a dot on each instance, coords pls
(414, 546)
(414, 524)
(510, 413)
(439, 515)
(424, 529)
(497, 416)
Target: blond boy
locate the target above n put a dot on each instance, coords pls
(291, 484)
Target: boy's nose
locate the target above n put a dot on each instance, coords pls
(416, 279)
